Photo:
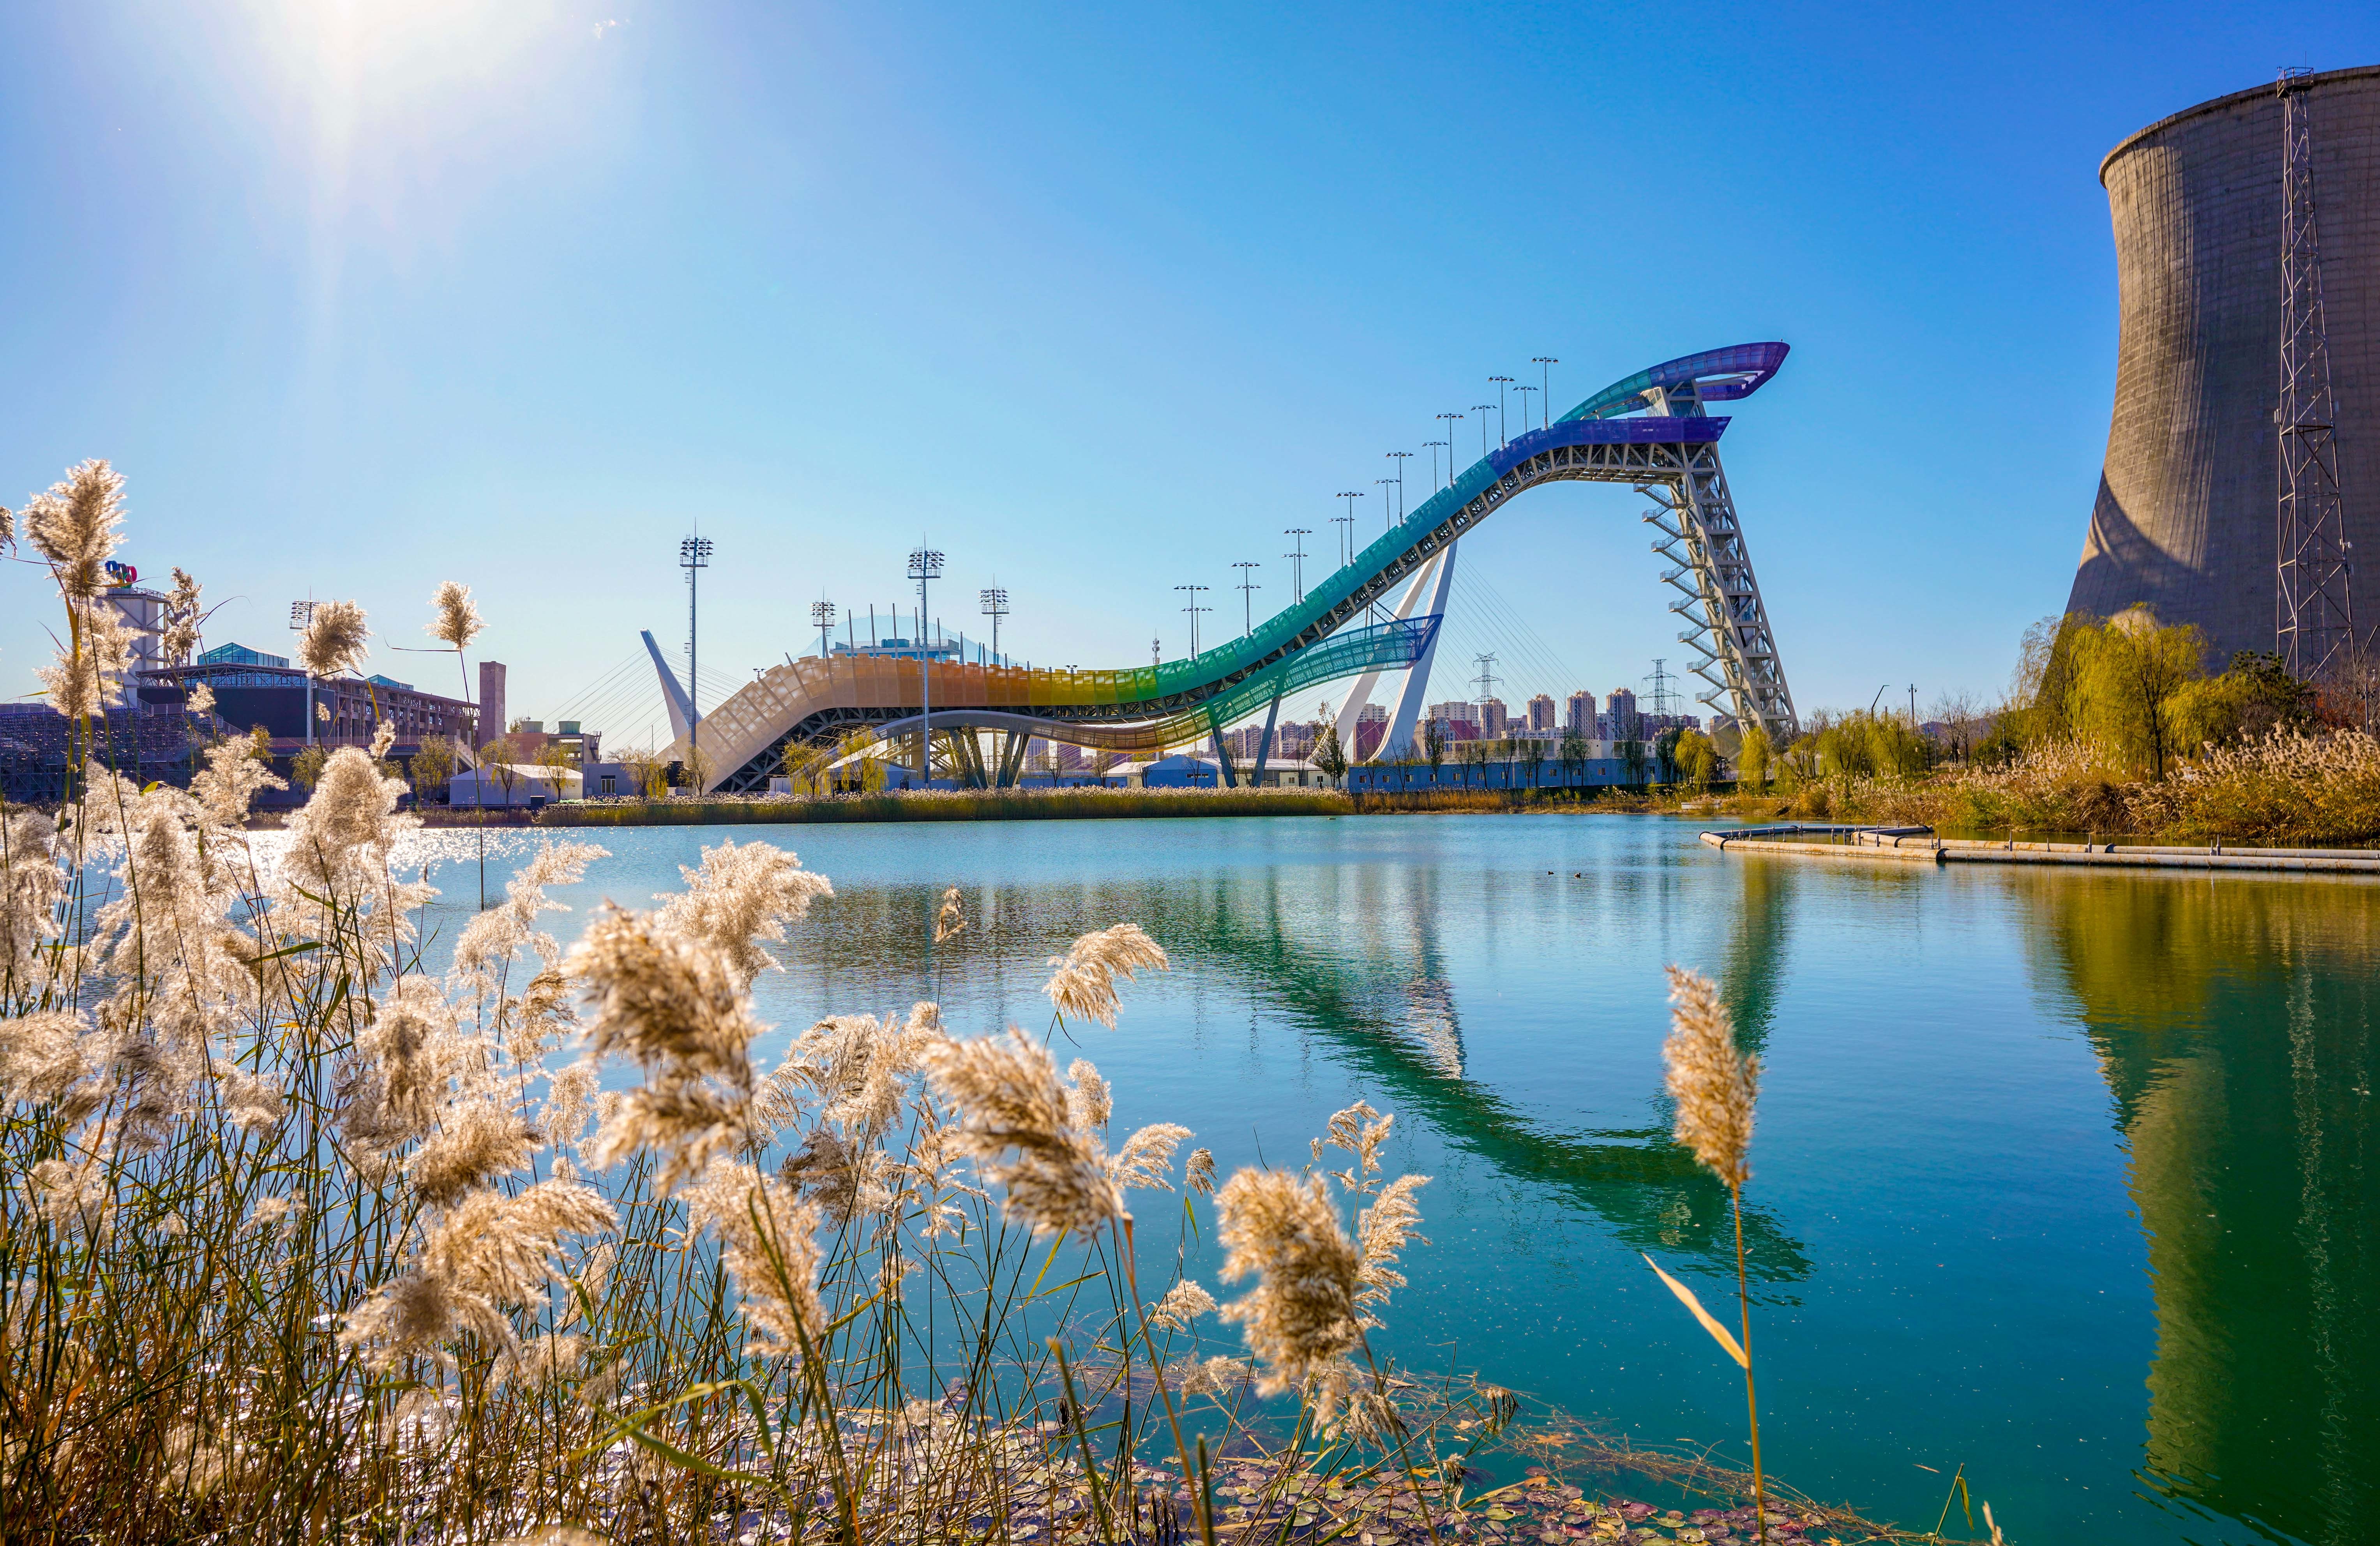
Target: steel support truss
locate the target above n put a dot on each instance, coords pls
(1702, 537)
(2314, 622)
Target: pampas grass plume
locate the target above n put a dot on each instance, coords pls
(1281, 1230)
(73, 527)
(457, 622)
(1010, 1099)
(332, 644)
(1084, 983)
(1715, 1086)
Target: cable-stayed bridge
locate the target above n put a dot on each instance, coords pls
(1651, 432)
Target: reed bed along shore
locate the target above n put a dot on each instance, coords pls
(2285, 789)
(1032, 805)
(302, 1239)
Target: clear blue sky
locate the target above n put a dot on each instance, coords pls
(365, 295)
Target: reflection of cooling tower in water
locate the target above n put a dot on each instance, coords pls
(2188, 499)
(2238, 1030)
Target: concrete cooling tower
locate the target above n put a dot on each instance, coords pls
(2187, 513)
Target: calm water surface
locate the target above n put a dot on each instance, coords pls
(2060, 1175)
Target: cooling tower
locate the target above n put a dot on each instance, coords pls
(2186, 510)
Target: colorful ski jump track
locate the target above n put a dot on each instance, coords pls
(1651, 432)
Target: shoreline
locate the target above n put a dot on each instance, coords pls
(1921, 845)
(1007, 805)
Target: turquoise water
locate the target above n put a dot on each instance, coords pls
(2060, 1177)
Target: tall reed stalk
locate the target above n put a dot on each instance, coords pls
(1717, 1087)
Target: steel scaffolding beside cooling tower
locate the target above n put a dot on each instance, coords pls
(2191, 515)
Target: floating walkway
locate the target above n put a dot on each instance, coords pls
(1919, 845)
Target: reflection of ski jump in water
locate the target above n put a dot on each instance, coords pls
(1390, 1013)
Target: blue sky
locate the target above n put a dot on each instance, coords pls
(365, 295)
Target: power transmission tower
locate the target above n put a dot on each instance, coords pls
(1665, 702)
(1487, 679)
(2314, 620)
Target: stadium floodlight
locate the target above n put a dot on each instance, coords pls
(925, 566)
(302, 617)
(995, 606)
(693, 556)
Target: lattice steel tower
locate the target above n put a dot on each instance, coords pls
(2314, 620)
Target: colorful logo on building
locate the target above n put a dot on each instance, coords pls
(122, 574)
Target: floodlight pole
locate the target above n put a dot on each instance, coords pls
(1449, 418)
(822, 615)
(1194, 609)
(1545, 364)
(1502, 384)
(1481, 409)
(1297, 558)
(995, 606)
(302, 617)
(694, 556)
(1247, 600)
(925, 565)
(1400, 458)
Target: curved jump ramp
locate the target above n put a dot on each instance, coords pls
(1649, 432)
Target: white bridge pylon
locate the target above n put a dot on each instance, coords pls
(1435, 578)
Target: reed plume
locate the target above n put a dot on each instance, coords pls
(671, 1004)
(767, 1240)
(1301, 1316)
(1183, 1303)
(1382, 1232)
(457, 622)
(74, 526)
(1716, 1087)
(489, 1251)
(1089, 1104)
(1010, 1099)
(92, 662)
(332, 643)
(1146, 1157)
(1084, 983)
(182, 618)
(32, 883)
(742, 894)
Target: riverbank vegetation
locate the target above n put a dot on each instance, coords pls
(302, 1238)
(2113, 726)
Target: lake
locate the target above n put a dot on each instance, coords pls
(2063, 1176)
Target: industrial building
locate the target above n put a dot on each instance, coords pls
(2187, 518)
